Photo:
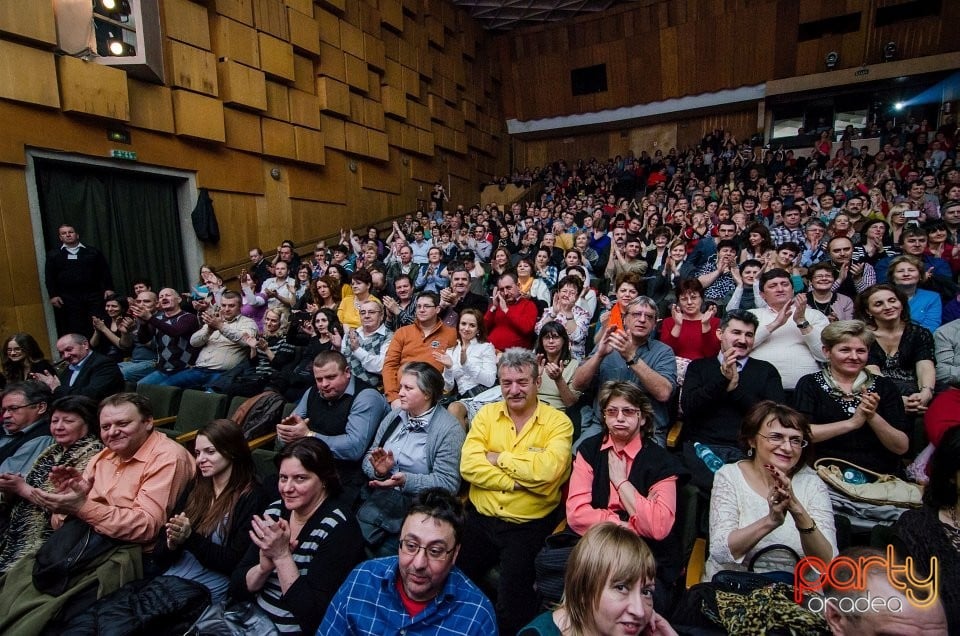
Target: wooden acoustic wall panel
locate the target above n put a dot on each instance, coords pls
(304, 74)
(394, 102)
(33, 21)
(241, 85)
(356, 137)
(278, 101)
(279, 139)
(356, 73)
(276, 57)
(334, 96)
(338, 6)
(242, 130)
(304, 32)
(186, 22)
(329, 27)
(303, 6)
(382, 177)
(374, 52)
(93, 89)
(191, 68)
(28, 75)
(270, 16)
(151, 106)
(377, 145)
(373, 114)
(304, 109)
(239, 10)
(328, 184)
(309, 146)
(331, 63)
(334, 132)
(351, 39)
(391, 14)
(235, 41)
(198, 116)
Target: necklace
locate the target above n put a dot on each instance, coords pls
(823, 308)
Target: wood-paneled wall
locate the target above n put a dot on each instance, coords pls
(603, 145)
(660, 49)
(361, 104)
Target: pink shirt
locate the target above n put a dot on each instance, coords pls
(132, 500)
(655, 513)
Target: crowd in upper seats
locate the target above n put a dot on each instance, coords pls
(782, 305)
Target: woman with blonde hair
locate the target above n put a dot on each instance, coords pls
(608, 589)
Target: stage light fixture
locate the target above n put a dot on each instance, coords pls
(898, 106)
(119, 48)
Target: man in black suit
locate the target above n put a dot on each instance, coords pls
(78, 278)
(88, 372)
(718, 392)
(457, 297)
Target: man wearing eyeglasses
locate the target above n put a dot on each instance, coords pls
(420, 591)
(417, 342)
(26, 425)
(631, 355)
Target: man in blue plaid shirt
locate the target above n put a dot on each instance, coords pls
(419, 592)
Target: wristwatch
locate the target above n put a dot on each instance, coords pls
(803, 325)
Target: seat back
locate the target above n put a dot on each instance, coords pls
(197, 408)
(164, 400)
(234, 405)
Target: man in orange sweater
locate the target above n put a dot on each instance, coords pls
(417, 342)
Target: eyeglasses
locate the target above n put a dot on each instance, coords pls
(14, 349)
(778, 438)
(615, 411)
(369, 312)
(14, 409)
(433, 552)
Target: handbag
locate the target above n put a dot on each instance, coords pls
(383, 510)
(70, 551)
(746, 581)
(879, 490)
(551, 564)
(233, 618)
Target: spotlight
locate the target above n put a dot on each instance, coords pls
(121, 7)
(898, 106)
(889, 51)
(119, 48)
(832, 59)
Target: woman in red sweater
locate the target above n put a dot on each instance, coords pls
(690, 331)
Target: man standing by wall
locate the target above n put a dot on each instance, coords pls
(77, 279)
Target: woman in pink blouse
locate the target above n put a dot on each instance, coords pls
(622, 475)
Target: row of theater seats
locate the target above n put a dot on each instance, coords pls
(178, 413)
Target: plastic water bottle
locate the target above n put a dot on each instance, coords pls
(708, 457)
(854, 476)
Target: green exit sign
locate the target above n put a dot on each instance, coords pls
(127, 155)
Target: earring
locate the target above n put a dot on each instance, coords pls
(750, 452)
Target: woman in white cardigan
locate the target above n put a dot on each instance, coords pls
(471, 366)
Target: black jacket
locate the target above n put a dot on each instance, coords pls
(99, 377)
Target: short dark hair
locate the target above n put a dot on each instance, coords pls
(825, 266)
(750, 262)
(912, 230)
(441, 505)
(689, 286)
(33, 392)
(771, 274)
(768, 410)
(141, 403)
(727, 243)
(363, 276)
(81, 405)
(324, 358)
(317, 458)
(742, 315)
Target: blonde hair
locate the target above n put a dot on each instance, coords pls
(607, 552)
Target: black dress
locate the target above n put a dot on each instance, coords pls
(916, 344)
(813, 398)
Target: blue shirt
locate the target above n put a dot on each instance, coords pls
(367, 604)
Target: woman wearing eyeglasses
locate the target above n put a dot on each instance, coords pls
(770, 498)
(854, 414)
(622, 475)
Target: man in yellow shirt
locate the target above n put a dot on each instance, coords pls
(516, 457)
